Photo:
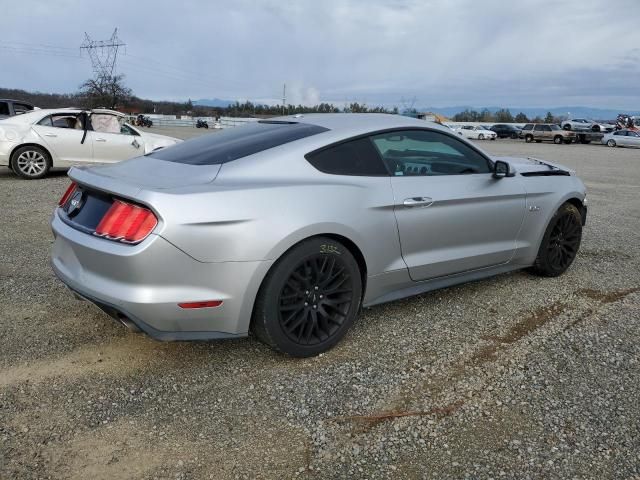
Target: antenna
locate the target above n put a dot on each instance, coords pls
(103, 53)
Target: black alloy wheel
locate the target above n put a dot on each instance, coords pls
(560, 243)
(315, 300)
(309, 298)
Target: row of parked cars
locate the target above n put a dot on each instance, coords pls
(570, 131)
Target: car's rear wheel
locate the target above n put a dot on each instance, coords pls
(31, 162)
(560, 243)
(557, 139)
(567, 126)
(528, 138)
(309, 299)
(514, 136)
(611, 142)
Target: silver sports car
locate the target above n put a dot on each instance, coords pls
(286, 227)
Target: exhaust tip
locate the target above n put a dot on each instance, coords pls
(128, 323)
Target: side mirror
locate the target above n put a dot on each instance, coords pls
(501, 169)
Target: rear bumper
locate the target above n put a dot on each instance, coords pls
(143, 284)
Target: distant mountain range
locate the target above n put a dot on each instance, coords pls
(213, 102)
(532, 112)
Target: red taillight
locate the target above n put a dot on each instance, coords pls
(67, 194)
(205, 304)
(126, 222)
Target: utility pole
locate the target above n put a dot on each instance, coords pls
(284, 97)
(103, 53)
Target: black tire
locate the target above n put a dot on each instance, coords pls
(309, 299)
(595, 128)
(514, 136)
(611, 142)
(558, 139)
(567, 127)
(528, 138)
(568, 141)
(560, 243)
(481, 136)
(31, 162)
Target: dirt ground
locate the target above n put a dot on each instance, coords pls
(512, 377)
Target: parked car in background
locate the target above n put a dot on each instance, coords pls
(32, 143)
(622, 138)
(583, 124)
(10, 108)
(477, 133)
(547, 132)
(190, 242)
(506, 131)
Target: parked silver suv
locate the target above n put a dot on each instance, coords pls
(549, 132)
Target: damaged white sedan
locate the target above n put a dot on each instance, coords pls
(33, 143)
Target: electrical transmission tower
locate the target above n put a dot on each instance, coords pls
(103, 53)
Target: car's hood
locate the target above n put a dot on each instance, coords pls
(130, 176)
(531, 164)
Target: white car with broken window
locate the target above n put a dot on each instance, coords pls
(33, 143)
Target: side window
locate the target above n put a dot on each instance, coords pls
(546, 128)
(61, 121)
(4, 108)
(537, 128)
(620, 133)
(528, 126)
(427, 153)
(20, 108)
(127, 130)
(356, 157)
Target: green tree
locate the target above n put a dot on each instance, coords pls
(521, 118)
(504, 116)
(549, 118)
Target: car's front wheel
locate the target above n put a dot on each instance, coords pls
(309, 299)
(560, 242)
(31, 162)
(528, 138)
(611, 142)
(481, 136)
(557, 139)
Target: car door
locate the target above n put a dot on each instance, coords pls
(633, 138)
(452, 215)
(62, 134)
(112, 140)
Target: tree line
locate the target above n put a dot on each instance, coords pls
(111, 92)
(502, 115)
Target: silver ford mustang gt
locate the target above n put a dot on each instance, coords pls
(286, 227)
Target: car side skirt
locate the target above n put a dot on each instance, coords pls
(382, 283)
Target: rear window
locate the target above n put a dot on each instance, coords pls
(237, 142)
(356, 157)
(4, 108)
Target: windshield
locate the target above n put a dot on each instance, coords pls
(236, 142)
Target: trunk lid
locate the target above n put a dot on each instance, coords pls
(131, 176)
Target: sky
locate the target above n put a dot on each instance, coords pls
(534, 53)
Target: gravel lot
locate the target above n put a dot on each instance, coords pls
(513, 377)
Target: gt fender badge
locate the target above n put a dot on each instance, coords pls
(534, 208)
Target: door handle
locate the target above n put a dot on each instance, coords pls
(50, 135)
(417, 202)
(100, 140)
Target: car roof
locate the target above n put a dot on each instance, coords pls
(14, 100)
(351, 124)
(36, 115)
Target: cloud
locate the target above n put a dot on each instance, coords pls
(531, 52)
